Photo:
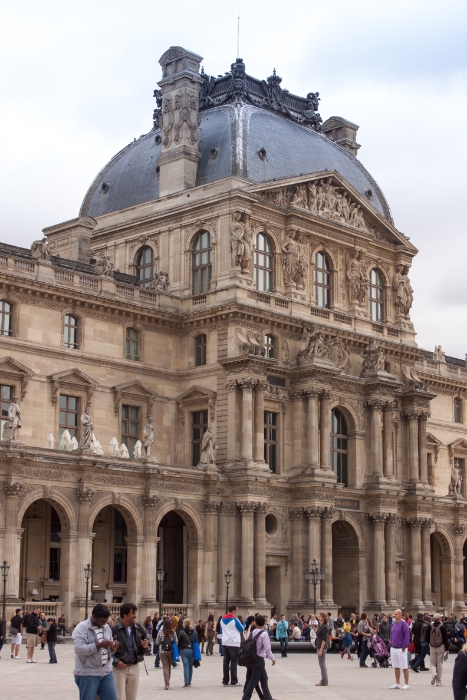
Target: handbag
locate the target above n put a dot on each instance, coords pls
(411, 648)
(175, 654)
(196, 652)
(13, 631)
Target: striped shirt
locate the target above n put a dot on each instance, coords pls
(100, 638)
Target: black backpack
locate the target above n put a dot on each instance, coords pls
(166, 644)
(248, 652)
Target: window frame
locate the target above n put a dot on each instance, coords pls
(270, 345)
(376, 303)
(271, 440)
(201, 350)
(196, 442)
(137, 340)
(128, 437)
(262, 274)
(6, 314)
(201, 283)
(457, 410)
(65, 426)
(7, 402)
(325, 286)
(73, 330)
(145, 282)
(335, 450)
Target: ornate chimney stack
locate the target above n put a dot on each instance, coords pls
(342, 132)
(180, 84)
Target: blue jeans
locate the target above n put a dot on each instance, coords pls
(221, 648)
(284, 642)
(52, 654)
(155, 650)
(186, 656)
(90, 686)
(364, 652)
(421, 657)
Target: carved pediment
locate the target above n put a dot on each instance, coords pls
(196, 394)
(13, 371)
(458, 447)
(133, 390)
(432, 443)
(73, 379)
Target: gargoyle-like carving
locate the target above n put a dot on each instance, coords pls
(403, 292)
(373, 358)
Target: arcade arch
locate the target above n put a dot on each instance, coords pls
(345, 567)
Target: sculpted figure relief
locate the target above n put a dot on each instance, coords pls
(403, 292)
(148, 439)
(240, 242)
(40, 250)
(87, 426)
(14, 421)
(294, 259)
(455, 486)
(439, 354)
(356, 278)
(208, 448)
(104, 266)
(338, 353)
(373, 358)
(315, 344)
(160, 282)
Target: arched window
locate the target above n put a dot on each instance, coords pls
(264, 264)
(322, 281)
(70, 332)
(145, 266)
(376, 296)
(338, 442)
(200, 350)
(5, 318)
(269, 344)
(201, 263)
(132, 344)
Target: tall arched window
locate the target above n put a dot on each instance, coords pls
(70, 332)
(5, 318)
(145, 266)
(338, 443)
(376, 296)
(201, 263)
(269, 345)
(322, 281)
(264, 263)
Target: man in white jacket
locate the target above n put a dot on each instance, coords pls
(232, 631)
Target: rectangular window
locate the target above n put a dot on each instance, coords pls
(54, 563)
(200, 350)
(68, 417)
(429, 465)
(457, 410)
(130, 427)
(7, 398)
(70, 332)
(270, 440)
(199, 426)
(131, 347)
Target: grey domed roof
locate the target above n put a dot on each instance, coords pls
(230, 137)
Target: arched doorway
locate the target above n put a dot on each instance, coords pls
(345, 567)
(441, 571)
(172, 551)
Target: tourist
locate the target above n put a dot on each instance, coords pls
(384, 630)
(165, 640)
(459, 674)
(296, 632)
(43, 626)
(322, 638)
(147, 624)
(249, 624)
(94, 648)
(282, 634)
(347, 640)
(232, 631)
(263, 651)
(273, 626)
(16, 630)
(32, 622)
(201, 634)
(156, 625)
(364, 633)
(52, 640)
(219, 635)
(61, 625)
(439, 648)
(210, 632)
(400, 639)
(313, 622)
(132, 647)
(330, 621)
(2, 631)
(419, 663)
(306, 632)
(186, 638)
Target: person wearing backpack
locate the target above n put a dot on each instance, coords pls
(439, 648)
(186, 638)
(164, 640)
(255, 655)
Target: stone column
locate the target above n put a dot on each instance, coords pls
(12, 542)
(67, 569)
(326, 556)
(314, 514)
(225, 554)
(83, 558)
(296, 516)
(247, 419)
(324, 446)
(422, 419)
(392, 523)
(412, 419)
(313, 428)
(247, 510)
(297, 427)
(260, 554)
(231, 386)
(376, 436)
(415, 563)
(210, 550)
(427, 524)
(459, 532)
(135, 567)
(258, 454)
(378, 596)
(388, 456)
(149, 588)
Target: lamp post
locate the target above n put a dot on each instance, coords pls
(87, 576)
(227, 577)
(4, 569)
(160, 580)
(312, 576)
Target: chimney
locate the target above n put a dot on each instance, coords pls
(71, 239)
(342, 132)
(180, 84)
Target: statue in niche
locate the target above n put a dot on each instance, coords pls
(104, 266)
(240, 242)
(289, 257)
(40, 250)
(87, 427)
(208, 448)
(455, 486)
(356, 278)
(403, 292)
(373, 358)
(148, 439)
(13, 422)
(160, 282)
(285, 353)
(301, 262)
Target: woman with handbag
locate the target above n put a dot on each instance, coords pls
(186, 639)
(165, 640)
(42, 631)
(210, 631)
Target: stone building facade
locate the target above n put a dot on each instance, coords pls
(236, 276)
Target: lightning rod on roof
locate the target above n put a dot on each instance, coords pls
(238, 36)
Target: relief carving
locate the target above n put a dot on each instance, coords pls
(357, 280)
(294, 259)
(373, 358)
(167, 121)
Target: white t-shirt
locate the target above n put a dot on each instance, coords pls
(100, 638)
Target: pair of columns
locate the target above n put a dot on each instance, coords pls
(381, 424)
(420, 561)
(416, 433)
(384, 591)
(252, 421)
(319, 536)
(315, 424)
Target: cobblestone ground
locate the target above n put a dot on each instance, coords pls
(291, 678)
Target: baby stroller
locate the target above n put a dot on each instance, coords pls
(378, 652)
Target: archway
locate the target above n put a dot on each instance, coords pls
(345, 567)
(172, 555)
(441, 571)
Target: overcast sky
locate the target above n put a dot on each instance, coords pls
(77, 80)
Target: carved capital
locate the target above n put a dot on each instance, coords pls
(247, 382)
(262, 385)
(377, 517)
(85, 495)
(459, 529)
(389, 406)
(295, 513)
(228, 507)
(211, 508)
(246, 507)
(426, 523)
(326, 394)
(297, 394)
(393, 518)
(374, 404)
(231, 384)
(150, 501)
(328, 512)
(313, 512)
(262, 508)
(413, 522)
(411, 415)
(14, 489)
(311, 393)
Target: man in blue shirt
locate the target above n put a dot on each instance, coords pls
(282, 634)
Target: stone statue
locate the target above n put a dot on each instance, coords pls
(104, 266)
(40, 250)
(301, 264)
(439, 355)
(338, 353)
(455, 487)
(300, 197)
(148, 438)
(65, 441)
(87, 426)
(289, 257)
(240, 243)
(160, 281)
(208, 447)
(13, 422)
(285, 353)
(403, 292)
(373, 358)
(137, 450)
(356, 279)
(315, 345)
(113, 447)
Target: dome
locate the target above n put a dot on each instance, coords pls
(266, 139)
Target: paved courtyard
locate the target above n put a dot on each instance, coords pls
(294, 677)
